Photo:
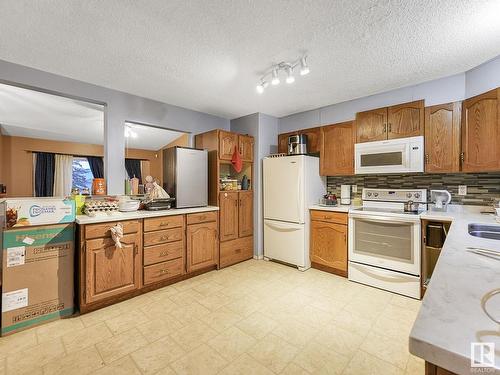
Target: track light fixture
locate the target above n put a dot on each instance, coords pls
(273, 73)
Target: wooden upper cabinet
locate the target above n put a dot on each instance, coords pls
(246, 144)
(228, 215)
(110, 270)
(329, 245)
(481, 132)
(202, 246)
(313, 139)
(245, 214)
(337, 150)
(283, 142)
(371, 125)
(442, 138)
(405, 120)
(227, 143)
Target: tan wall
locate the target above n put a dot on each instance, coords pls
(16, 164)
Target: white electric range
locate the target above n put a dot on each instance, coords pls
(384, 240)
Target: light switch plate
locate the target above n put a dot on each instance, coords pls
(462, 189)
(354, 188)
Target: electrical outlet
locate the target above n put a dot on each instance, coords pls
(462, 189)
(354, 188)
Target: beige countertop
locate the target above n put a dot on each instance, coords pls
(451, 316)
(116, 216)
(338, 208)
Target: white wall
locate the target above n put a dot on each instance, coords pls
(264, 129)
(444, 90)
(483, 78)
(120, 107)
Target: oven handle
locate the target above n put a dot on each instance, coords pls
(381, 275)
(384, 219)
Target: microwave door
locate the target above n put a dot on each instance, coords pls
(382, 157)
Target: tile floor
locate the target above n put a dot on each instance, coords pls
(256, 317)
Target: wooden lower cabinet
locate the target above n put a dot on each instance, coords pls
(150, 257)
(202, 246)
(228, 203)
(236, 251)
(245, 214)
(328, 247)
(109, 270)
(431, 369)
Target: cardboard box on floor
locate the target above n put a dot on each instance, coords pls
(37, 276)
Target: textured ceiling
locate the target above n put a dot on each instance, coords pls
(208, 55)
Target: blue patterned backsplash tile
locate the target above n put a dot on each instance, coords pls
(482, 188)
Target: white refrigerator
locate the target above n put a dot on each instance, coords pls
(291, 184)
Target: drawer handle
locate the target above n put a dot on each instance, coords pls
(203, 217)
(164, 253)
(163, 224)
(163, 238)
(237, 251)
(162, 272)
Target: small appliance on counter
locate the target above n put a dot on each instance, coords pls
(441, 199)
(185, 176)
(345, 194)
(297, 144)
(158, 204)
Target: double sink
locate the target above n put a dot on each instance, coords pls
(491, 232)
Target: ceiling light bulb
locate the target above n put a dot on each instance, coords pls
(275, 81)
(290, 78)
(260, 88)
(304, 69)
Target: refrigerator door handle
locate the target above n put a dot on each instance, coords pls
(283, 227)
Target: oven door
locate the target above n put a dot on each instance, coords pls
(388, 242)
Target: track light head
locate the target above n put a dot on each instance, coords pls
(289, 78)
(275, 80)
(304, 69)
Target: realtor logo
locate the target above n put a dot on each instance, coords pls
(482, 354)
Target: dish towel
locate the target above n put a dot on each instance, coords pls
(236, 160)
(117, 234)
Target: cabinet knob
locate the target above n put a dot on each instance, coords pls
(385, 128)
(164, 253)
(162, 224)
(390, 127)
(462, 157)
(164, 271)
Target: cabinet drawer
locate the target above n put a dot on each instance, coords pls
(99, 243)
(164, 222)
(331, 217)
(235, 251)
(103, 230)
(163, 252)
(163, 236)
(163, 271)
(202, 217)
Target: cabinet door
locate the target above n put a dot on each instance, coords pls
(481, 133)
(202, 246)
(329, 245)
(228, 214)
(110, 270)
(313, 139)
(227, 142)
(283, 143)
(245, 214)
(371, 125)
(246, 143)
(442, 138)
(337, 150)
(405, 120)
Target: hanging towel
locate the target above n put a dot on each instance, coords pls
(117, 234)
(236, 160)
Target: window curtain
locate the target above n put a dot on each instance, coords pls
(96, 166)
(63, 176)
(133, 167)
(44, 174)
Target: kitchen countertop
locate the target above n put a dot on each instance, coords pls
(142, 214)
(451, 316)
(339, 208)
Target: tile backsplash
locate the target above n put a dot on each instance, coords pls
(482, 188)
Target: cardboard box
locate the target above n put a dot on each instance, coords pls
(21, 212)
(37, 276)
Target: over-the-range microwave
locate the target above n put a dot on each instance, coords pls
(403, 155)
